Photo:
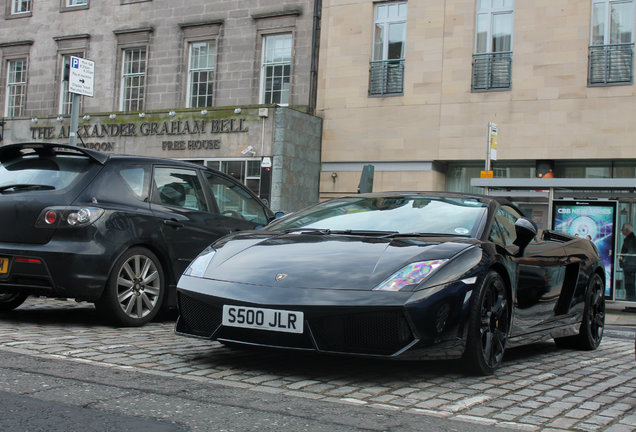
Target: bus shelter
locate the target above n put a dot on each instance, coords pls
(593, 208)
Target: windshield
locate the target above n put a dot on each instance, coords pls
(399, 214)
(42, 173)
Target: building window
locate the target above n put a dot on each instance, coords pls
(71, 5)
(276, 69)
(611, 52)
(386, 74)
(492, 59)
(65, 97)
(246, 171)
(201, 74)
(20, 7)
(133, 79)
(16, 88)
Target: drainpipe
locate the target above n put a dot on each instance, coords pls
(314, 46)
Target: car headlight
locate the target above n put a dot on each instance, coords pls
(411, 274)
(200, 264)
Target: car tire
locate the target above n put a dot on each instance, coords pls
(10, 301)
(593, 321)
(488, 326)
(135, 289)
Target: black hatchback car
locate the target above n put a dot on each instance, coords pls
(110, 229)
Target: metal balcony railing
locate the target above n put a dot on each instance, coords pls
(386, 77)
(611, 64)
(492, 71)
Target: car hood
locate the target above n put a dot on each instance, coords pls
(323, 261)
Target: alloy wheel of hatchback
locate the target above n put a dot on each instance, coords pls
(135, 288)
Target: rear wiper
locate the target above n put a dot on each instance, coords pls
(24, 186)
(425, 234)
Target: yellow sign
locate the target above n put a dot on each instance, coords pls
(486, 174)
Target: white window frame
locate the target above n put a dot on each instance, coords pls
(128, 77)
(266, 63)
(193, 70)
(73, 3)
(385, 23)
(20, 7)
(491, 10)
(10, 108)
(607, 27)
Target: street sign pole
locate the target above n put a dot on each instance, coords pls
(487, 165)
(80, 82)
(75, 106)
(491, 152)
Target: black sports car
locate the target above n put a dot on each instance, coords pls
(409, 275)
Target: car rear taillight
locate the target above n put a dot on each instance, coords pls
(50, 217)
(68, 217)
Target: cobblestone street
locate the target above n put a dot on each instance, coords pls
(539, 387)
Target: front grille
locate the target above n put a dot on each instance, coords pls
(374, 332)
(198, 317)
(347, 331)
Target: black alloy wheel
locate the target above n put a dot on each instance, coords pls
(593, 321)
(488, 326)
(135, 289)
(10, 301)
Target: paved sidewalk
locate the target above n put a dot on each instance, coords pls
(618, 314)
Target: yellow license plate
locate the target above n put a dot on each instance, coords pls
(4, 265)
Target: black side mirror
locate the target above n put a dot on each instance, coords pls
(525, 230)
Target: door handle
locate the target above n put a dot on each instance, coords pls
(173, 223)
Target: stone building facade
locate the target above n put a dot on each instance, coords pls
(211, 82)
(411, 87)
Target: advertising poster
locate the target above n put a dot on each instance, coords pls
(594, 220)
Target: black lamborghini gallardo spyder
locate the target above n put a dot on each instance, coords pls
(424, 275)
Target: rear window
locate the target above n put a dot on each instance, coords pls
(56, 172)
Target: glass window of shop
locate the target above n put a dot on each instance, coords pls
(247, 171)
(459, 174)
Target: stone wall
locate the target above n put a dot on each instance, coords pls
(549, 112)
(296, 160)
(102, 28)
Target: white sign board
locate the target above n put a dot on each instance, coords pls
(493, 141)
(81, 76)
